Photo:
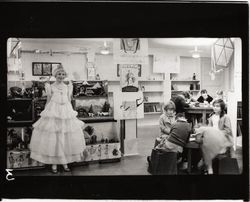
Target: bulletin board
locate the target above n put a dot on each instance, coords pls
(166, 63)
(128, 105)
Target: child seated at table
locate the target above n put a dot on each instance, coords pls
(220, 120)
(178, 136)
(204, 98)
(167, 119)
(180, 102)
(216, 138)
(219, 96)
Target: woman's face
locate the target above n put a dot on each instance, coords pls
(60, 76)
(217, 108)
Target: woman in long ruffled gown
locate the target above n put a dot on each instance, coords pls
(57, 136)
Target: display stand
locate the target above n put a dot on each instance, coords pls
(122, 135)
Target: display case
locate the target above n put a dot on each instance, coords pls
(100, 130)
(18, 153)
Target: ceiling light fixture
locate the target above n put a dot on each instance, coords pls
(105, 49)
(196, 53)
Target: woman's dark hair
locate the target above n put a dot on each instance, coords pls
(186, 94)
(203, 91)
(222, 106)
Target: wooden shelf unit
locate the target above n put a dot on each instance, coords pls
(28, 123)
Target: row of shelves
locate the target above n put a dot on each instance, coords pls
(20, 159)
(29, 112)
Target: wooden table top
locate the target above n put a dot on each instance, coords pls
(199, 108)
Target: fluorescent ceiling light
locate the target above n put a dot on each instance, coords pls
(105, 49)
(196, 55)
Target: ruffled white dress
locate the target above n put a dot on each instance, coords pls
(57, 136)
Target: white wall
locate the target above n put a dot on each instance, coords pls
(75, 66)
(210, 85)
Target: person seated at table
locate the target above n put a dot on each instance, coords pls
(181, 102)
(217, 136)
(204, 97)
(191, 99)
(178, 136)
(219, 95)
(167, 118)
(220, 120)
(166, 121)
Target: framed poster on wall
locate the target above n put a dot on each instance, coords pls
(129, 79)
(43, 68)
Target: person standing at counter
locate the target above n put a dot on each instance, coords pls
(57, 136)
(204, 97)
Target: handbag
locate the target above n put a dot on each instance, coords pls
(222, 164)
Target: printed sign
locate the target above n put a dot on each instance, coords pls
(131, 51)
(129, 78)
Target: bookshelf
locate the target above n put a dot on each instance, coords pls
(178, 86)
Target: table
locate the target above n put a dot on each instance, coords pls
(190, 146)
(200, 110)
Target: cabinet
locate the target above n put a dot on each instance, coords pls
(102, 144)
(153, 93)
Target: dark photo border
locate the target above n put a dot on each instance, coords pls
(110, 19)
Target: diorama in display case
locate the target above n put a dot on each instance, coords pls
(101, 152)
(92, 108)
(101, 143)
(18, 153)
(90, 88)
(19, 110)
